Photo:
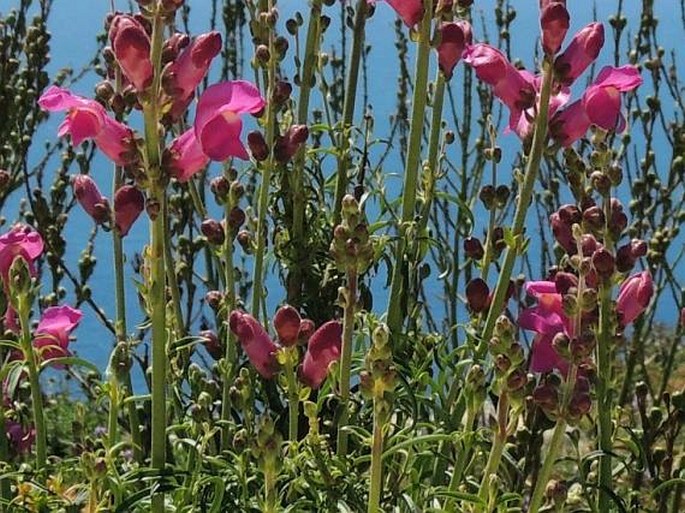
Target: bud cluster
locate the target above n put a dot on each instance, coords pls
(509, 359)
(352, 246)
(379, 377)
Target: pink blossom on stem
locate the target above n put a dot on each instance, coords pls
(411, 11)
(580, 53)
(20, 241)
(287, 323)
(183, 75)
(514, 88)
(51, 337)
(20, 439)
(322, 350)
(600, 105)
(554, 22)
(454, 37)
(185, 156)
(217, 122)
(129, 202)
(131, 47)
(90, 198)
(256, 343)
(547, 319)
(522, 121)
(634, 297)
(87, 119)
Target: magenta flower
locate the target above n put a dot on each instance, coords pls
(129, 202)
(454, 37)
(185, 156)
(580, 53)
(554, 22)
(287, 323)
(514, 88)
(87, 119)
(20, 241)
(131, 47)
(322, 350)
(634, 297)
(547, 319)
(411, 11)
(521, 121)
(217, 122)
(182, 76)
(51, 337)
(89, 197)
(20, 439)
(600, 105)
(256, 343)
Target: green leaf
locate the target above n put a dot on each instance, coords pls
(69, 360)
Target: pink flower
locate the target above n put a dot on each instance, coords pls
(256, 343)
(547, 319)
(20, 439)
(287, 323)
(51, 337)
(20, 241)
(322, 350)
(454, 37)
(185, 156)
(411, 11)
(521, 122)
(89, 197)
(87, 119)
(131, 47)
(217, 122)
(554, 22)
(580, 53)
(634, 297)
(129, 202)
(182, 76)
(600, 105)
(514, 88)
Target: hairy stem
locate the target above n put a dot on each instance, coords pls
(358, 40)
(346, 359)
(411, 171)
(376, 483)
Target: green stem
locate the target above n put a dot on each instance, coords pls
(358, 41)
(157, 288)
(171, 277)
(411, 168)
(5, 489)
(112, 419)
(604, 402)
(36, 396)
(346, 360)
(270, 496)
(231, 349)
(497, 448)
(293, 393)
(376, 483)
(524, 200)
(311, 56)
(263, 205)
(546, 471)
(463, 458)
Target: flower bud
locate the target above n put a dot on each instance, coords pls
(212, 344)
(634, 297)
(131, 47)
(290, 142)
(213, 230)
(258, 146)
(477, 295)
(89, 197)
(214, 299)
(220, 186)
(287, 324)
(473, 248)
(554, 22)
(236, 218)
(129, 203)
(603, 262)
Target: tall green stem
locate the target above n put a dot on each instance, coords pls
(293, 393)
(157, 287)
(36, 396)
(463, 458)
(604, 402)
(524, 200)
(358, 41)
(311, 55)
(346, 359)
(497, 448)
(231, 355)
(411, 168)
(258, 271)
(376, 484)
(546, 471)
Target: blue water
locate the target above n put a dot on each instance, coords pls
(74, 23)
